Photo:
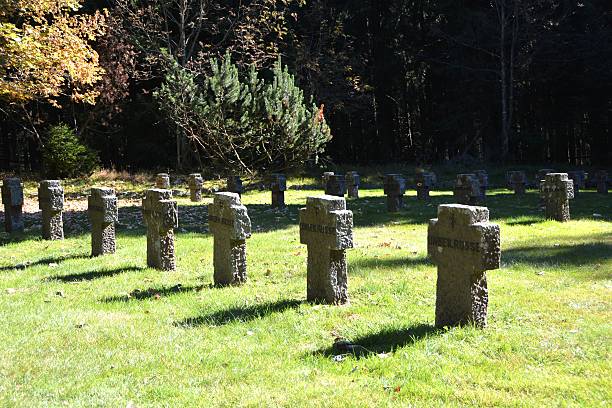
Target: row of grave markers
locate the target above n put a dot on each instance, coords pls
(460, 241)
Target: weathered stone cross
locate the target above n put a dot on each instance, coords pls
(234, 185)
(195, 187)
(229, 222)
(336, 185)
(162, 180)
(517, 181)
(601, 179)
(278, 185)
(103, 214)
(326, 227)
(160, 214)
(352, 182)
(51, 203)
(424, 183)
(12, 198)
(464, 245)
(467, 189)
(394, 189)
(556, 190)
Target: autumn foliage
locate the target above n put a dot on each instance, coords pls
(46, 51)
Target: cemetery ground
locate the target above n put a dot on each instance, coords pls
(109, 331)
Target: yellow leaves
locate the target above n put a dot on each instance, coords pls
(49, 55)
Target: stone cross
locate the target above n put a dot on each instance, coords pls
(326, 227)
(160, 215)
(229, 222)
(556, 190)
(352, 182)
(234, 185)
(51, 203)
(162, 180)
(467, 189)
(195, 187)
(103, 214)
(517, 181)
(394, 189)
(326, 176)
(424, 183)
(12, 198)
(464, 245)
(483, 179)
(579, 179)
(336, 185)
(278, 186)
(601, 179)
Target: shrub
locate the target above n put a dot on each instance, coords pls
(64, 155)
(242, 122)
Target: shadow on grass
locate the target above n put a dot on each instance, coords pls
(240, 313)
(384, 341)
(154, 293)
(578, 254)
(389, 262)
(92, 275)
(45, 261)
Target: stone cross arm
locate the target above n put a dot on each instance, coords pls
(325, 222)
(51, 195)
(12, 192)
(102, 205)
(227, 216)
(462, 236)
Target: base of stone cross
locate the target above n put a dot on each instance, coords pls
(195, 195)
(557, 211)
(395, 203)
(278, 199)
(229, 258)
(519, 189)
(160, 250)
(52, 225)
(461, 298)
(102, 239)
(13, 219)
(423, 193)
(332, 288)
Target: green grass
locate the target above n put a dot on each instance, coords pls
(106, 332)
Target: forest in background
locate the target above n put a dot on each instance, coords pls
(418, 81)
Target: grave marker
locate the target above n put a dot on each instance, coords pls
(51, 203)
(278, 185)
(483, 180)
(579, 179)
(230, 225)
(464, 245)
(103, 214)
(12, 198)
(160, 215)
(195, 187)
(162, 180)
(326, 227)
(394, 189)
(517, 181)
(325, 177)
(424, 181)
(467, 189)
(234, 185)
(601, 179)
(353, 181)
(556, 190)
(336, 185)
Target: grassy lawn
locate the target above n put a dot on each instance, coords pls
(110, 332)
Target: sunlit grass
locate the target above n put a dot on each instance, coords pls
(84, 332)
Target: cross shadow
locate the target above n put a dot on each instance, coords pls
(384, 341)
(91, 275)
(577, 254)
(240, 313)
(388, 262)
(45, 261)
(154, 292)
